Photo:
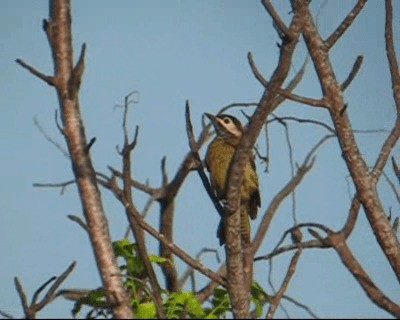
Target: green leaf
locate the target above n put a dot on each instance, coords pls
(179, 302)
(146, 310)
(259, 297)
(157, 259)
(124, 248)
(220, 302)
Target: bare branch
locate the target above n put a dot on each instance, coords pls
(173, 247)
(396, 169)
(79, 221)
(280, 196)
(337, 240)
(41, 288)
(353, 73)
(301, 305)
(345, 24)
(276, 299)
(237, 104)
(48, 138)
(279, 25)
(391, 55)
(392, 186)
(155, 192)
(291, 96)
(200, 171)
(127, 197)
(66, 81)
(238, 291)
(6, 315)
(22, 296)
(48, 79)
(300, 120)
(189, 270)
(354, 160)
(78, 70)
(31, 310)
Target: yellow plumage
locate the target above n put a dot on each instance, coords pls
(218, 158)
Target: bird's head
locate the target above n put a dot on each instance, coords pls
(226, 126)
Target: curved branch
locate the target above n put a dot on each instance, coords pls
(353, 73)
(287, 94)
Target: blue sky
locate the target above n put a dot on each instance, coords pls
(171, 51)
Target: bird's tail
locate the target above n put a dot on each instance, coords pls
(244, 227)
(245, 224)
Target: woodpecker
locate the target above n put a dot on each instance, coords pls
(229, 132)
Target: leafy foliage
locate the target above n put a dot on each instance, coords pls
(177, 305)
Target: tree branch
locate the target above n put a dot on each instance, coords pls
(66, 82)
(287, 94)
(276, 299)
(356, 165)
(279, 25)
(31, 310)
(345, 24)
(356, 67)
(238, 292)
(127, 196)
(48, 79)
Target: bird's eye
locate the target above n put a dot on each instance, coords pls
(227, 120)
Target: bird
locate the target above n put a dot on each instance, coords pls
(220, 152)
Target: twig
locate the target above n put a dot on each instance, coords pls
(345, 24)
(392, 186)
(22, 296)
(301, 120)
(353, 73)
(31, 310)
(48, 138)
(79, 221)
(126, 195)
(275, 301)
(279, 25)
(6, 315)
(301, 305)
(396, 169)
(48, 79)
(189, 270)
(291, 96)
(236, 105)
(196, 156)
(173, 247)
(41, 288)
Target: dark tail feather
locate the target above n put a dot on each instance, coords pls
(221, 232)
(244, 227)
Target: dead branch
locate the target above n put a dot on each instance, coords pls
(353, 73)
(127, 196)
(338, 242)
(196, 156)
(396, 169)
(66, 81)
(345, 24)
(276, 299)
(279, 25)
(153, 232)
(287, 94)
(48, 79)
(34, 307)
(239, 293)
(356, 165)
(301, 120)
(48, 138)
